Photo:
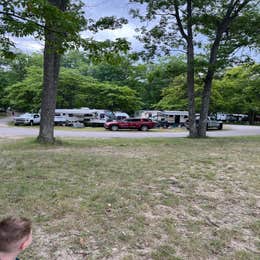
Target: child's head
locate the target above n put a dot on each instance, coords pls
(15, 235)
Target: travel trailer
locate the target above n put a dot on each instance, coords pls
(147, 113)
(173, 118)
(71, 116)
(165, 118)
(99, 117)
(87, 116)
(231, 117)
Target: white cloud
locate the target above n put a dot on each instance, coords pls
(127, 32)
(28, 44)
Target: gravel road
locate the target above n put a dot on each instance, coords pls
(7, 131)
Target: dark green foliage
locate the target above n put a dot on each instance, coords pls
(238, 90)
(74, 91)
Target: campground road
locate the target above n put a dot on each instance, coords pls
(7, 131)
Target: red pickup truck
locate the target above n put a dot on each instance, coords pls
(142, 124)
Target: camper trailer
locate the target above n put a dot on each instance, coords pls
(100, 116)
(71, 116)
(165, 118)
(147, 113)
(86, 116)
(173, 118)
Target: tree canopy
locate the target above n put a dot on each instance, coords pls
(74, 90)
(238, 90)
(216, 29)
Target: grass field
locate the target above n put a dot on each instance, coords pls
(136, 199)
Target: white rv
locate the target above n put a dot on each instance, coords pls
(100, 116)
(84, 115)
(71, 116)
(147, 113)
(165, 118)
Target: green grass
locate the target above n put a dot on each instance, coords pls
(135, 199)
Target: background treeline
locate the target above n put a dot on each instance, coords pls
(126, 85)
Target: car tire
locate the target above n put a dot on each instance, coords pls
(114, 128)
(144, 128)
(220, 127)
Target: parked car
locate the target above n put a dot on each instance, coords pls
(142, 124)
(27, 119)
(212, 123)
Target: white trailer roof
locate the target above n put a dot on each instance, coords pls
(176, 113)
(78, 111)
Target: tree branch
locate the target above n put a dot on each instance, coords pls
(9, 15)
(240, 7)
(179, 23)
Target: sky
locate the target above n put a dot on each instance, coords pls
(95, 9)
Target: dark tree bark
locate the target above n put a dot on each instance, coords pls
(50, 77)
(251, 117)
(232, 12)
(190, 73)
(190, 65)
(207, 87)
(50, 82)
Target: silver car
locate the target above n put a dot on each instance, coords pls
(212, 123)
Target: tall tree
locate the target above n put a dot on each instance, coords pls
(215, 28)
(58, 23)
(55, 38)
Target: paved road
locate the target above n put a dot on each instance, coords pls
(16, 132)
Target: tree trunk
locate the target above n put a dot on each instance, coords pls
(208, 84)
(205, 104)
(232, 12)
(190, 74)
(251, 117)
(190, 63)
(50, 78)
(50, 81)
(190, 88)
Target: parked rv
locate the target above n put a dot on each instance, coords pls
(231, 117)
(99, 117)
(59, 119)
(165, 118)
(87, 116)
(74, 115)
